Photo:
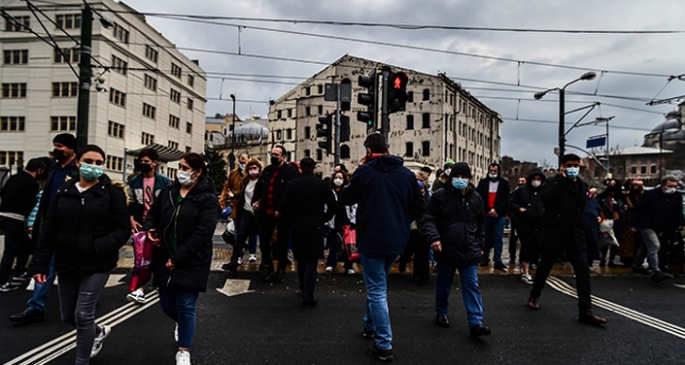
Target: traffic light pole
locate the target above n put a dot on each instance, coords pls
(385, 120)
(85, 75)
(336, 147)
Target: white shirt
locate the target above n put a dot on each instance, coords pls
(493, 186)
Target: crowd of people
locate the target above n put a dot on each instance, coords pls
(379, 214)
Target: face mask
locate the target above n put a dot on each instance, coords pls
(275, 161)
(90, 172)
(241, 167)
(253, 173)
(338, 182)
(669, 191)
(572, 172)
(59, 155)
(459, 183)
(448, 172)
(492, 176)
(144, 168)
(535, 183)
(184, 178)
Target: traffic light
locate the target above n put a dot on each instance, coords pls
(397, 91)
(369, 99)
(325, 129)
(344, 128)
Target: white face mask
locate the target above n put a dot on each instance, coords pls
(536, 183)
(448, 172)
(338, 182)
(669, 191)
(184, 178)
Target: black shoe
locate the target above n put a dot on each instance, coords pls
(485, 261)
(641, 270)
(590, 318)
(602, 263)
(442, 321)
(27, 316)
(659, 277)
(309, 304)
(612, 265)
(369, 334)
(381, 354)
(403, 267)
(268, 273)
(500, 266)
(479, 330)
(280, 276)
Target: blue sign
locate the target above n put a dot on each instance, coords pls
(598, 141)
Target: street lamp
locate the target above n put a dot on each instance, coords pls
(233, 135)
(562, 133)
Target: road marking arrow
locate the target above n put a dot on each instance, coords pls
(115, 280)
(233, 287)
(680, 286)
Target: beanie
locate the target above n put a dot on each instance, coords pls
(448, 163)
(67, 139)
(461, 168)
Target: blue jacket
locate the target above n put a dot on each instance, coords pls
(389, 199)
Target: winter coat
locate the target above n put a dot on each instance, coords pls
(501, 198)
(286, 173)
(241, 198)
(528, 197)
(456, 220)
(563, 224)
(659, 212)
(84, 230)
(613, 206)
(234, 182)
(137, 195)
(307, 204)
(44, 203)
(389, 199)
(194, 227)
(19, 194)
(344, 215)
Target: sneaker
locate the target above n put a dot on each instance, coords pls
(659, 277)
(500, 266)
(21, 278)
(350, 272)
(368, 334)
(381, 354)
(329, 268)
(182, 358)
(7, 287)
(97, 344)
(252, 258)
(240, 260)
(136, 297)
(528, 279)
(176, 332)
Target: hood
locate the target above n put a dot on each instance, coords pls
(536, 172)
(386, 163)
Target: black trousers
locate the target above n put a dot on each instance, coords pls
(307, 275)
(530, 242)
(418, 247)
(17, 246)
(580, 268)
(514, 236)
(280, 248)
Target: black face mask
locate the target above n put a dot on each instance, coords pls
(59, 155)
(275, 161)
(143, 167)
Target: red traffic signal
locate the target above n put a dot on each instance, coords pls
(397, 91)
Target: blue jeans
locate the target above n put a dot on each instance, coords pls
(377, 318)
(470, 291)
(179, 305)
(494, 228)
(41, 291)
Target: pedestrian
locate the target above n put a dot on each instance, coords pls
(564, 197)
(307, 204)
(143, 189)
(388, 200)
(527, 206)
(418, 249)
(267, 197)
(513, 231)
(658, 215)
(181, 225)
(592, 216)
(344, 216)
(442, 175)
(495, 192)
(63, 171)
(614, 207)
(18, 199)
(84, 228)
(245, 222)
(632, 240)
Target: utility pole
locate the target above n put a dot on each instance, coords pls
(85, 75)
(562, 128)
(385, 120)
(336, 146)
(233, 158)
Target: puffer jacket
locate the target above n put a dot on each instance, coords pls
(84, 230)
(194, 225)
(456, 220)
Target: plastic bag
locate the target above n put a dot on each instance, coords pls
(607, 238)
(350, 239)
(142, 272)
(606, 225)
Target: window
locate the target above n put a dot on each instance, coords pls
(68, 21)
(11, 158)
(62, 124)
(191, 80)
(115, 130)
(147, 139)
(64, 89)
(175, 96)
(307, 153)
(319, 154)
(307, 111)
(410, 122)
(66, 55)
(345, 151)
(633, 170)
(426, 94)
(14, 90)
(319, 90)
(308, 91)
(320, 109)
(16, 57)
(149, 110)
(290, 113)
(426, 120)
(189, 127)
(173, 145)
(425, 148)
(18, 24)
(410, 97)
(279, 114)
(171, 173)
(643, 170)
(190, 104)
(120, 33)
(288, 134)
(189, 149)
(115, 163)
(175, 70)
(119, 65)
(409, 149)
(279, 135)
(150, 82)
(151, 54)
(12, 124)
(117, 97)
(174, 121)
(307, 132)
(652, 169)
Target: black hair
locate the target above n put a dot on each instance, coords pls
(35, 164)
(569, 157)
(283, 151)
(149, 153)
(90, 148)
(426, 169)
(376, 142)
(195, 161)
(667, 179)
(307, 164)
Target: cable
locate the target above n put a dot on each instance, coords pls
(556, 123)
(569, 101)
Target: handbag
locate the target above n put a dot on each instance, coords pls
(229, 234)
(350, 239)
(142, 272)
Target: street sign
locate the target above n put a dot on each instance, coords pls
(596, 141)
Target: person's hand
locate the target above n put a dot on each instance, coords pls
(277, 214)
(152, 237)
(633, 229)
(170, 265)
(436, 246)
(40, 278)
(562, 172)
(255, 206)
(230, 193)
(492, 213)
(362, 160)
(599, 219)
(522, 210)
(135, 226)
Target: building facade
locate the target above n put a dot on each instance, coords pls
(150, 92)
(442, 121)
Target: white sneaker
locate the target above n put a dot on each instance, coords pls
(350, 272)
(528, 279)
(240, 260)
(252, 258)
(329, 268)
(176, 333)
(97, 344)
(136, 297)
(183, 358)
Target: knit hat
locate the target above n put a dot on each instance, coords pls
(67, 139)
(461, 168)
(448, 163)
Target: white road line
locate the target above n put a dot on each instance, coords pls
(650, 321)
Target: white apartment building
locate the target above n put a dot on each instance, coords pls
(442, 121)
(151, 92)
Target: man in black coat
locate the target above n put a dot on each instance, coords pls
(562, 229)
(495, 193)
(266, 199)
(308, 203)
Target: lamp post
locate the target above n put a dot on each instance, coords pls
(562, 133)
(233, 134)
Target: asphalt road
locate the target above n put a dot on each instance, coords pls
(267, 326)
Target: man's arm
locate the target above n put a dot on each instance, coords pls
(352, 193)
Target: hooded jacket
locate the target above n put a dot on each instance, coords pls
(137, 195)
(388, 199)
(501, 198)
(194, 227)
(84, 230)
(456, 220)
(528, 197)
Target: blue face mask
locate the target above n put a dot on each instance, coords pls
(492, 176)
(90, 172)
(459, 183)
(572, 172)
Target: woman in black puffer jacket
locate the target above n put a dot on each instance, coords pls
(85, 226)
(181, 224)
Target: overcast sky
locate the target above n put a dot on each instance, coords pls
(661, 54)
